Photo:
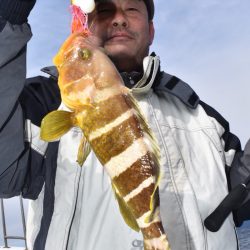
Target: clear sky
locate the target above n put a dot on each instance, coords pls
(204, 42)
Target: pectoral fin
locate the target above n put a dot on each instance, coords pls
(83, 151)
(56, 124)
(125, 212)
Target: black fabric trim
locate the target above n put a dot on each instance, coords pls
(231, 140)
(35, 175)
(238, 243)
(215, 114)
(172, 82)
(49, 196)
(227, 171)
(193, 99)
(42, 95)
(130, 79)
(52, 71)
(175, 86)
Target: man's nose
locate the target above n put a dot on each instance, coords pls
(120, 19)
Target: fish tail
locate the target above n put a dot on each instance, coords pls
(56, 124)
(160, 243)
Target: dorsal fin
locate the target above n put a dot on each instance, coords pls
(79, 23)
(155, 150)
(147, 130)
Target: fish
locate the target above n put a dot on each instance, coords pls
(114, 127)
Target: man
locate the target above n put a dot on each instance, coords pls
(74, 208)
(124, 30)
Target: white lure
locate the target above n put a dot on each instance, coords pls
(86, 6)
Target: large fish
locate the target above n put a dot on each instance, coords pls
(114, 128)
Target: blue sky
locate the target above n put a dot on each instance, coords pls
(204, 42)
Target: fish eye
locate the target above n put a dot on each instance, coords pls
(85, 54)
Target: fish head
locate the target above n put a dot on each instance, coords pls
(84, 69)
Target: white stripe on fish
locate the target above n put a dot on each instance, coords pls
(120, 163)
(108, 127)
(156, 243)
(146, 183)
(141, 221)
(105, 94)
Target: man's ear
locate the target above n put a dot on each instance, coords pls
(151, 32)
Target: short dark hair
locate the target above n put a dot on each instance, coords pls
(149, 5)
(151, 8)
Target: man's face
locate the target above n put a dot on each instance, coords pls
(122, 28)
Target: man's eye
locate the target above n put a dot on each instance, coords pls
(132, 9)
(100, 11)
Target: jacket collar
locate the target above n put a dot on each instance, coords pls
(162, 82)
(51, 71)
(175, 86)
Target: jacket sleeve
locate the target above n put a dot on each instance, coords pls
(237, 169)
(239, 172)
(237, 161)
(14, 35)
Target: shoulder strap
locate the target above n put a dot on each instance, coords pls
(178, 88)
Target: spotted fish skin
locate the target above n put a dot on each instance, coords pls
(113, 125)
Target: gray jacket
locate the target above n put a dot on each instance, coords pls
(74, 208)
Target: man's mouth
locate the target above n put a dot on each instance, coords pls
(119, 36)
